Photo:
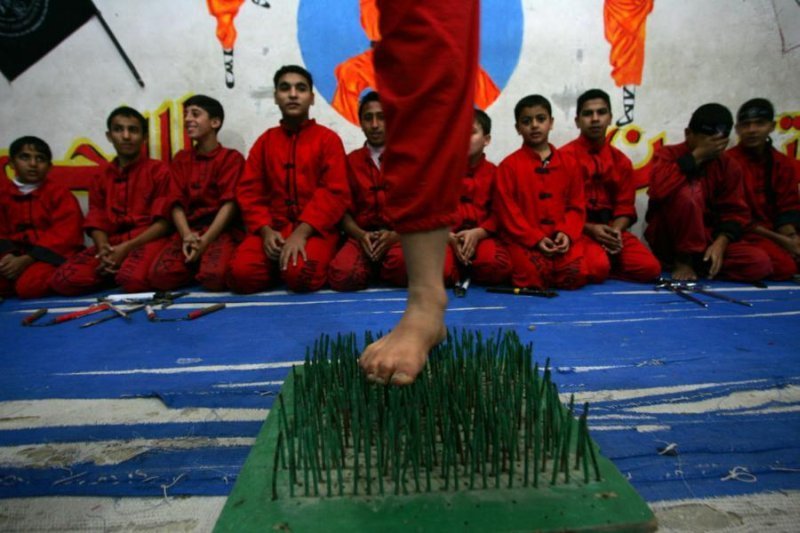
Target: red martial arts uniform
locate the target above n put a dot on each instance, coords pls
(289, 178)
(351, 269)
(607, 174)
(123, 202)
(200, 184)
(690, 206)
(44, 224)
(537, 199)
(491, 264)
(771, 192)
(426, 64)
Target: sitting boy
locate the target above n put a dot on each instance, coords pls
(540, 206)
(202, 204)
(770, 181)
(40, 222)
(292, 194)
(125, 218)
(697, 211)
(372, 249)
(473, 252)
(607, 175)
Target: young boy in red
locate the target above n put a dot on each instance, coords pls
(607, 175)
(292, 194)
(372, 250)
(697, 212)
(201, 203)
(474, 253)
(540, 207)
(770, 181)
(40, 222)
(125, 218)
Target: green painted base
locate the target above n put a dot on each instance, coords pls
(607, 505)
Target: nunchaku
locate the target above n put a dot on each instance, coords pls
(193, 315)
(684, 288)
(460, 288)
(522, 291)
(92, 309)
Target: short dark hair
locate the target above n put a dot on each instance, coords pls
(29, 140)
(711, 119)
(371, 96)
(756, 108)
(532, 100)
(207, 104)
(484, 120)
(296, 69)
(593, 94)
(125, 111)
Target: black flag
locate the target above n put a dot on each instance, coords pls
(29, 29)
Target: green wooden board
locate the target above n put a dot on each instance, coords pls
(607, 505)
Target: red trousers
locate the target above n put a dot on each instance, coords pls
(34, 282)
(251, 270)
(783, 264)
(352, 270)
(491, 264)
(170, 270)
(79, 274)
(635, 262)
(426, 66)
(572, 270)
(679, 228)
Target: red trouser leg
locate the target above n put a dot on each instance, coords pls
(134, 271)
(214, 262)
(250, 270)
(310, 275)
(783, 265)
(350, 268)
(426, 66)
(678, 226)
(491, 264)
(393, 266)
(570, 269)
(169, 269)
(78, 275)
(634, 262)
(34, 282)
(530, 269)
(598, 264)
(745, 262)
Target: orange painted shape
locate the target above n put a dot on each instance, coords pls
(625, 23)
(225, 11)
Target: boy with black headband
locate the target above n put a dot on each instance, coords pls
(697, 212)
(770, 188)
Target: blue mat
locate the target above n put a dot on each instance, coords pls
(719, 384)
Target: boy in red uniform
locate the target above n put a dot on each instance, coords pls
(607, 175)
(125, 218)
(201, 202)
(292, 194)
(479, 256)
(372, 249)
(40, 222)
(770, 188)
(540, 207)
(697, 211)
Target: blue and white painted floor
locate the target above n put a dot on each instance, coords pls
(107, 426)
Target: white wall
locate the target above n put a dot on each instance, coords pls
(696, 52)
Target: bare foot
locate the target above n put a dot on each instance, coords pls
(400, 356)
(683, 272)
